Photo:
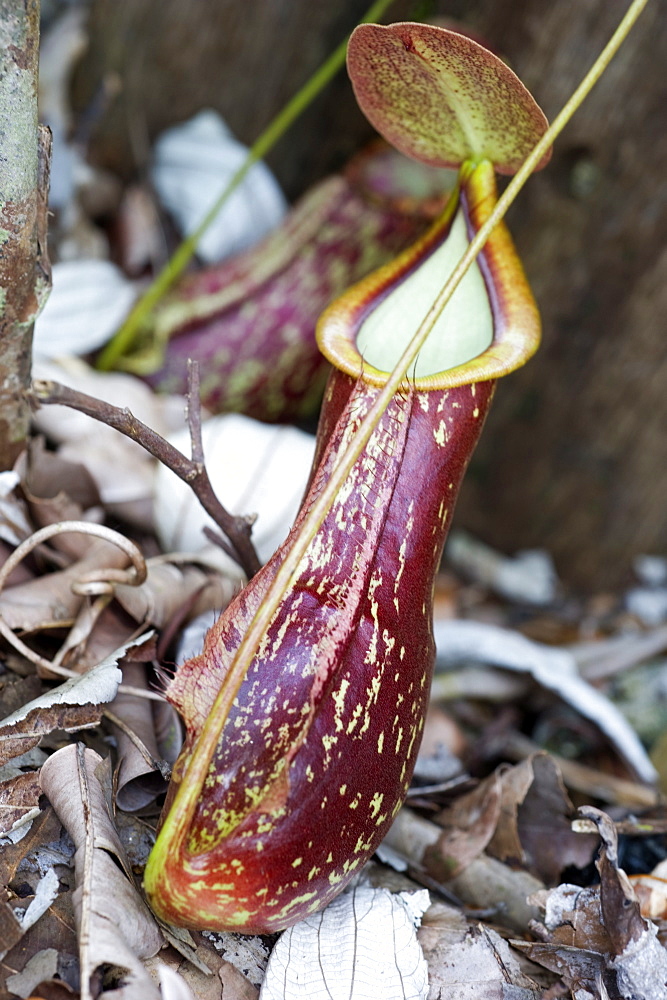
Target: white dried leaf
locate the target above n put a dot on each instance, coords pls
(14, 523)
(115, 927)
(88, 302)
(254, 469)
(649, 604)
(193, 162)
(41, 967)
(363, 946)
(173, 986)
(460, 642)
(46, 891)
(651, 571)
(479, 965)
(247, 954)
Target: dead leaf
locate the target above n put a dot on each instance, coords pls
(534, 828)
(555, 670)
(362, 944)
(248, 955)
(469, 824)
(222, 982)
(139, 780)
(609, 935)
(57, 490)
(115, 927)
(76, 704)
(19, 801)
(484, 882)
(479, 965)
(41, 966)
(169, 587)
(14, 523)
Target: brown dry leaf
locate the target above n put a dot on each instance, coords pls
(170, 586)
(651, 891)
(115, 927)
(102, 449)
(139, 780)
(19, 801)
(468, 825)
(224, 982)
(15, 691)
(110, 632)
(479, 965)
(49, 601)
(534, 828)
(57, 490)
(608, 937)
(76, 704)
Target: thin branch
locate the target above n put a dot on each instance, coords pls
(194, 412)
(237, 529)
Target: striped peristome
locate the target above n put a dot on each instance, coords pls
(317, 752)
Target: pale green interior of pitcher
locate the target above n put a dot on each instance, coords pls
(463, 330)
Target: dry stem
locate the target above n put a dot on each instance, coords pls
(191, 471)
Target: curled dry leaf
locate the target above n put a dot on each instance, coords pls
(49, 601)
(114, 925)
(19, 801)
(170, 586)
(363, 945)
(469, 824)
(534, 828)
(76, 704)
(139, 780)
(441, 97)
(588, 933)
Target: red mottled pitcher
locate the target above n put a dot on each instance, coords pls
(316, 754)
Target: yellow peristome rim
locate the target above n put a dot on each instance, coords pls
(516, 326)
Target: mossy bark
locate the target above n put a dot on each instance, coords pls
(24, 270)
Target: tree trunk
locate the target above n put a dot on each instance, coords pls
(574, 457)
(24, 271)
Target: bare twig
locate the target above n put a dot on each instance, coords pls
(194, 412)
(191, 471)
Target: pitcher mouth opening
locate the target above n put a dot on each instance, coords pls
(489, 327)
